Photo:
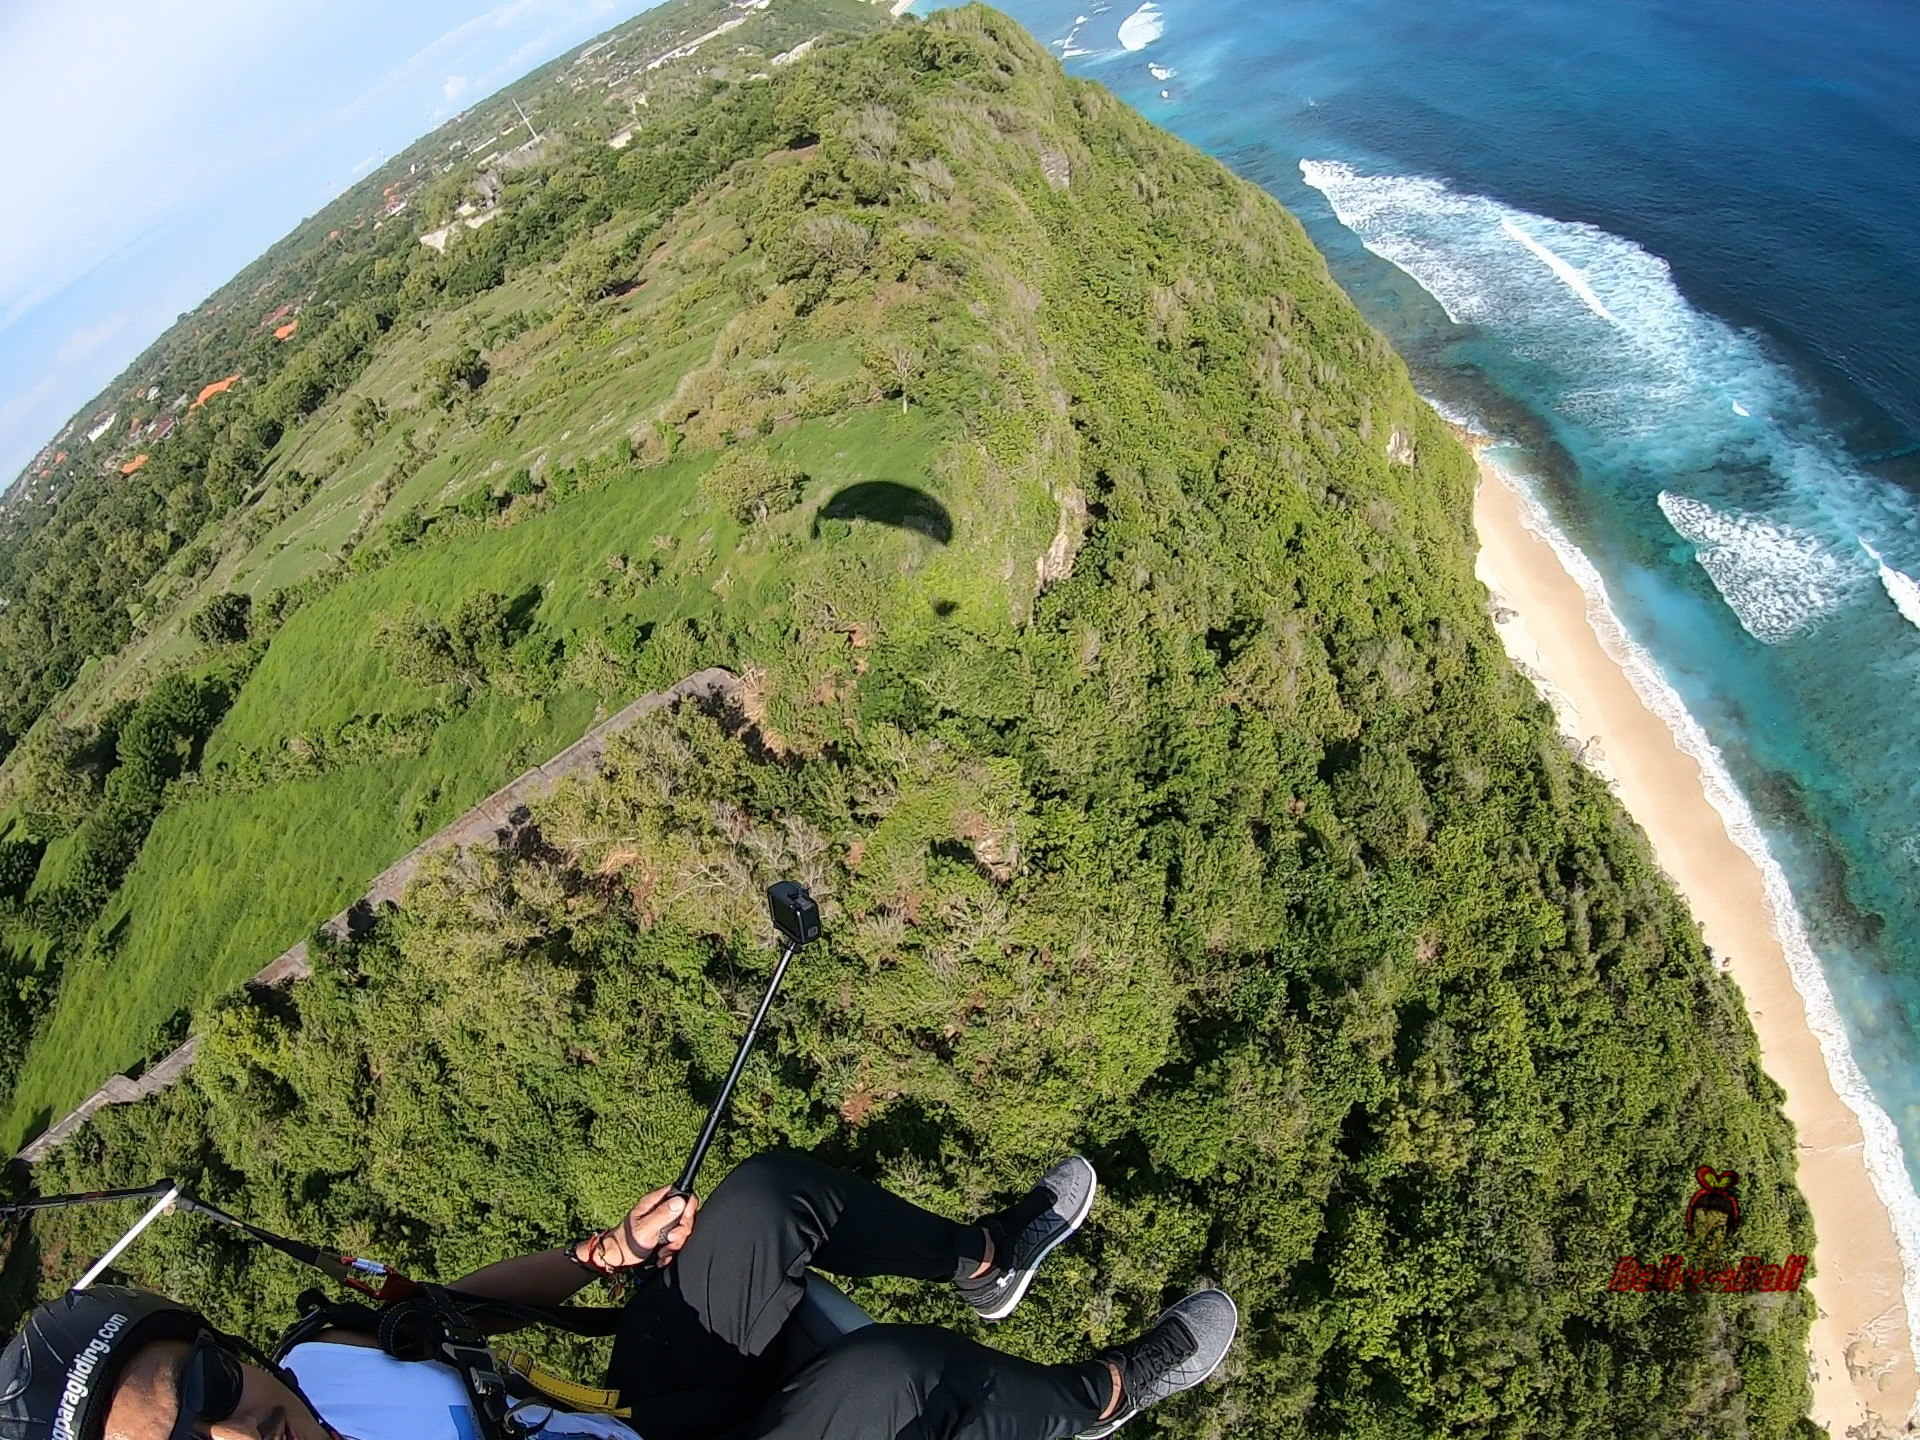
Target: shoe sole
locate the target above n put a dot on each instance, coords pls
(1110, 1426)
(1019, 1291)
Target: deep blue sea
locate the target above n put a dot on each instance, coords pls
(1669, 252)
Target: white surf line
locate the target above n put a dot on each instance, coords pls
(1571, 277)
(1885, 1157)
(1901, 587)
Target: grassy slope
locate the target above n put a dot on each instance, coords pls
(582, 98)
(225, 884)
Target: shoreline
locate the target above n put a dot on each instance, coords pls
(1861, 1356)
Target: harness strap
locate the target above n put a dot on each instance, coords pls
(319, 1314)
(466, 1350)
(520, 1365)
(435, 1323)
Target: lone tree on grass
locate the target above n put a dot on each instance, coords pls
(899, 365)
(466, 649)
(366, 417)
(588, 272)
(455, 377)
(224, 620)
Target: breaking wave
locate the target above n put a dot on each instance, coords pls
(1648, 389)
(1142, 27)
(1599, 311)
(1779, 581)
(1901, 587)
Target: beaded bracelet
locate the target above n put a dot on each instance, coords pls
(592, 1264)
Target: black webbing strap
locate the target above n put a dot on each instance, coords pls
(466, 1350)
(404, 1328)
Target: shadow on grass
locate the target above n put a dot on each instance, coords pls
(883, 502)
(520, 611)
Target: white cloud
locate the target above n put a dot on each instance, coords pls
(25, 413)
(127, 113)
(89, 341)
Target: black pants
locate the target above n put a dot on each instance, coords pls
(702, 1350)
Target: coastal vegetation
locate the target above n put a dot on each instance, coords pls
(1113, 668)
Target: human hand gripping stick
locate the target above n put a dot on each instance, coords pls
(652, 1233)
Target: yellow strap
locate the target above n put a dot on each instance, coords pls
(570, 1393)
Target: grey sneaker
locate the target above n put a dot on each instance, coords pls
(1026, 1233)
(1180, 1349)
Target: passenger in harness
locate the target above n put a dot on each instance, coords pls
(720, 1343)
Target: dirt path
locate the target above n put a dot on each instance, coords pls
(496, 820)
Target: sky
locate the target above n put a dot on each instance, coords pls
(155, 147)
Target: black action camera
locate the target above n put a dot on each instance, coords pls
(794, 914)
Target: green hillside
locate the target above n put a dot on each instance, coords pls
(1116, 673)
(350, 471)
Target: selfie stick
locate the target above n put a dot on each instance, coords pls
(684, 1185)
(797, 918)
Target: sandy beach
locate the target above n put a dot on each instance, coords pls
(1862, 1358)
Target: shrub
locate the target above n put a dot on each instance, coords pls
(479, 504)
(408, 526)
(453, 378)
(588, 272)
(416, 645)
(55, 782)
(752, 485)
(224, 620)
(366, 417)
(19, 862)
(470, 646)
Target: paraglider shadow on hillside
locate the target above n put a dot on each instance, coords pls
(886, 503)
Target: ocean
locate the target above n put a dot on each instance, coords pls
(1669, 254)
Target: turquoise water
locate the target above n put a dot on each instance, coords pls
(1668, 252)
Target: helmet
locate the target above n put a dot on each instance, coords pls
(57, 1375)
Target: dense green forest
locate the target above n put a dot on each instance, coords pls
(1114, 670)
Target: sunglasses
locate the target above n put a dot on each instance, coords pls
(210, 1385)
